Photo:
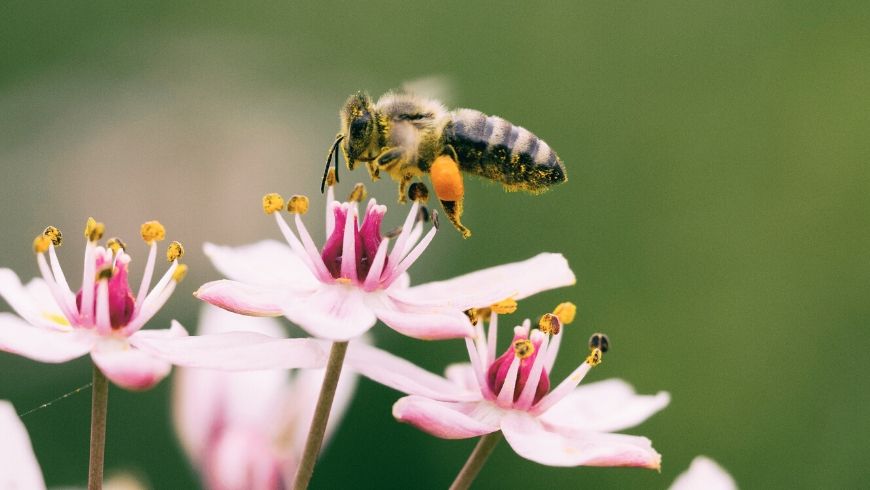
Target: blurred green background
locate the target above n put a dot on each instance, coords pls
(716, 214)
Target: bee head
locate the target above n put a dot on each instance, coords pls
(359, 125)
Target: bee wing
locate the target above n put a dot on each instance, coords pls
(438, 87)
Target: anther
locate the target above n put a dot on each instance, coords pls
(94, 230)
(180, 273)
(272, 202)
(105, 273)
(393, 233)
(423, 214)
(550, 324)
(599, 340)
(331, 178)
(595, 357)
(116, 245)
(566, 312)
(298, 204)
(41, 243)
(54, 235)
(152, 231)
(418, 192)
(505, 306)
(174, 252)
(523, 348)
(435, 222)
(358, 194)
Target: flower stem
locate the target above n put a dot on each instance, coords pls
(99, 402)
(476, 461)
(321, 416)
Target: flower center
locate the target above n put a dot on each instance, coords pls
(366, 239)
(525, 351)
(122, 304)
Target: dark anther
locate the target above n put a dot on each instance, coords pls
(599, 341)
(418, 192)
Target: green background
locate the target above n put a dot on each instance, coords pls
(716, 214)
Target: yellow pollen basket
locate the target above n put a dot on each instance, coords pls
(298, 204)
(272, 202)
(358, 194)
(447, 179)
(94, 230)
(180, 273)
(566, 312)
(505, 306)
(152, 231)
(41, 243)
(54, 235)
(115, 245)
(523, 348)
(550, 324)
(174, 252)
(595, 357)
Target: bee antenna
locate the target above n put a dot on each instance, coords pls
(333, 151)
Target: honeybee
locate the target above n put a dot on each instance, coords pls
(405, 136)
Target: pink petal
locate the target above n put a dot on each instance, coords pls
(234, 351)
(605, 406)
(33, 302)
(242, 459)
(127, 366)
(704, 474)
(446, 420)
(426, 323)
(487, 286)
(19, 469)
(399, 374)
(533, 440)
(462, 374)
(40, 343)
(335, 312)
(265, 263)
(242, 298)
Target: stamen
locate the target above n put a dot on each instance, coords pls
(105, 273)
(87, 304)
(505, 306)
(566, 312)
(311, 249)
(374, 276)
(418, 192)
(180, 273)
(54, 235)
(330, 178)
(152, 231)
(399, 251)
(533, 380)
(116, 245)
(40, 244)
(600, 341)
(94, 230)
(146, 276)
(103, 318)
(393, 233)
(298, 204)
(598, 345)
(435, 221)
(478, 368)
(348, 247)
(506, 395)
(550, 324)
(358, 194)
(174, 252)
(492, 338)
(523, 348)
(272, 202)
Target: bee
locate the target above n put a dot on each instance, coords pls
(405, 136)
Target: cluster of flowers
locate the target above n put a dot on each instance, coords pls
(257, 429)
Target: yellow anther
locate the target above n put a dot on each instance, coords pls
(56, 318)
(505, 306)
(523, 348)
(272, 202)
(418, 192)
(330, 178)
(297, 204)
(94, 230)
(550, 324)
(116, 245)
(41, 243)
(180, 273)
(358, 194)
(174, 252)
(595, 357)
(105, 273)
(566, 312)
(152, 231)
(478, 314)
(54, 235)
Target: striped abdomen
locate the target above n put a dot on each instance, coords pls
(493, 148)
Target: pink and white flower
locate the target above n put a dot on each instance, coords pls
(19, 469)
(339, 291)
(103, 318)
(247, 430)
(704, 474)
(563, 426)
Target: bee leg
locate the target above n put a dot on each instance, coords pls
(388, 156)
(374, 170)
(403, 188)
(453, 210)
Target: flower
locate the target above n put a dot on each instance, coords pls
(20, 468)
(563, 426)
(704, 474)
(104, 317)
(338, 299)
(247, 430)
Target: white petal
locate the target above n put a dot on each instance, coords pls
(605, 406)
(19, 469)
(244, 298)
(34, 302)
(704, 474)
(335, 312)
(462, 374)
(424, 322)
(127, 366)
(535, 441)
(487, 286)
(265, 263)
(40, 343)
(447, 420)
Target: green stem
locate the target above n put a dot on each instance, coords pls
(99, 402)
(476, 461)
(321, 416)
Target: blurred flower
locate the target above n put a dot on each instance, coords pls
(704, 474)
(247, 430)
(565, 426)
(19, 470)
(103, 318)
(338, 293)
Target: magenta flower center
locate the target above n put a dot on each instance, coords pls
(366, 238)
(121, 300)
(498, 370)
